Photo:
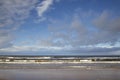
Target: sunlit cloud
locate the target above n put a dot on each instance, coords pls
(43, 7)
(70, 29)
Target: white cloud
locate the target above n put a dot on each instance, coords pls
(43, 7)
(37, 50)
(76, 33)
(29, 48)
(15, 10)
(65, 36)
(12, 14)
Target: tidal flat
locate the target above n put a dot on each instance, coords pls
(83, 71)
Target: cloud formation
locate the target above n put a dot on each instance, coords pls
(108, 26)
(14, 10)
(80, 32)
(43, 7)
(12, 14)
(76, 35)
(106, 22)
(40, 50)
(5, 39)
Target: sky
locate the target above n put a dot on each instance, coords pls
(59, 27)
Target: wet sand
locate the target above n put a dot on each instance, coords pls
(60, 72)
(60, 66)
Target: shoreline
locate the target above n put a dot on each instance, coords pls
(59, 62)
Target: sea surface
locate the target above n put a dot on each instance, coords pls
(84, 71)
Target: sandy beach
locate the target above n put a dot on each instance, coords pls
(59, 72)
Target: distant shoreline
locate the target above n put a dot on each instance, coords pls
(114, 62)
(60, 55)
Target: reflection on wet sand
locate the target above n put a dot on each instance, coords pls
(67, 73)
(2, 79)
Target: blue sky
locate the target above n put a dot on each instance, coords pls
(59, 27)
